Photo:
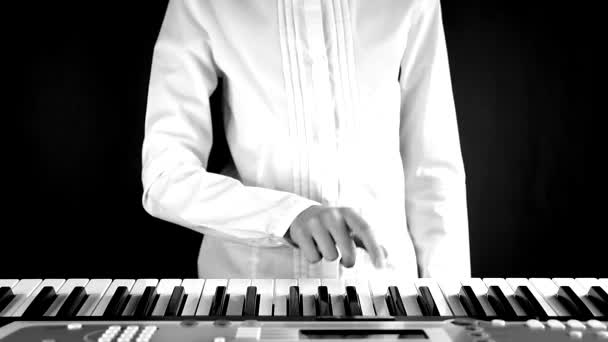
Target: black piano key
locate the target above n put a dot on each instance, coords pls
(471, 303)
(41, 303)
(118, 302)
(394, 303)
(529, 303)
(426, 302)
(73, 303)
(351, 302)
(500, 303)
(220, 302)
(146, 303)
(6, 296)
(575, 306)
(250, 306)
(176, 302)
(599, 298)
(294, 305)
(323, 302)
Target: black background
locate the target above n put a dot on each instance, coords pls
(522, 80)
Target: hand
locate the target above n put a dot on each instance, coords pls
(319, 230)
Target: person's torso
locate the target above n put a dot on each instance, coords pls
(312, 106)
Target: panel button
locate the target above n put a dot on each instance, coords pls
(556, 325)
(535, 324)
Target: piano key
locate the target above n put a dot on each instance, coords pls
(508, 292)
(426, 301)
(164, 291)
(335, 288)
(117, 302)
(442, 305)
(236, 292)
(54, 283)
(136, 295)
(481, 290)
(73, 302)
(547, 310)
(208, 294)
(6, 292)
(323, 302)
(573, 304)
(294, 305)
(308, 290)
(281, 294)
(394, 302)
(107, 296)
(365, 297)
(265, 289)
(471, 303)
(451, 290)
(95, 290)
(176, 302)
(146, 303)
(580, 293)
(193, 289)
(6, 296)
(220, 302)
(352, 304)
(251, 302)
(409, 297)
(586, 283)
(63, 293)
(41, 303)
(599, 297)
(547, 288)
(530, 302)
(500, 303)
(378, 288)
(21, 291)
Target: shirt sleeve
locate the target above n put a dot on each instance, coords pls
(435, 191)
(178, 138)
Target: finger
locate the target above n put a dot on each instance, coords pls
(309, 250)
(338, 229)
(365, 236)
(325, 243)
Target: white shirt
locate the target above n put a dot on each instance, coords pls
(334, 102)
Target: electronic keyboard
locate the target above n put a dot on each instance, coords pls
(475, 309)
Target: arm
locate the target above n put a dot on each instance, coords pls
(435, 188)
(178, 138)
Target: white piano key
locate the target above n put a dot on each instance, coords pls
(308, 291)
(193, 289)
(164, 290)
(516, 282)
(136, 292)
(22, 290)
(204, 306)
(587, 283)
(107, 296)
(336, 289)
(508, 292)
(580, 292)
(481, 292)
(95, 289)
(63, 294)
(451, 291)
(365, 296)
(237, 288)
(265, 290)
(378, 288)
(409, 296)
(281, 293)
(604, 282)
(8, 282)
(54, 283)
(442, 305)
(547, 288)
